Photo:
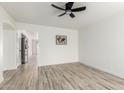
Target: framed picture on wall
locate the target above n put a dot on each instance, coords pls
(61, 40)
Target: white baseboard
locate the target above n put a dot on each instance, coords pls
(104, 70)
(57, 64)
(10, 68)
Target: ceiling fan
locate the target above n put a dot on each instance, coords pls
(68, 9)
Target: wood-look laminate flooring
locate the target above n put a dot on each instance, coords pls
(23, 78)
(72, 76)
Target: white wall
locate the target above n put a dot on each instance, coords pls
(4, 18)
(1, 53)
(34, 47)
(102, 45)
(50, 53)
(9, 49)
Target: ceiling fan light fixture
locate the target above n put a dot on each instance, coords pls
(68, 12)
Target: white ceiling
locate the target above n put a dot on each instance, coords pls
(43, 13)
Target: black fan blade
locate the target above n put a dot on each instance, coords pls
(79, 9)
(72, 15)
(62, 14)
(69, 5)
(57, 7)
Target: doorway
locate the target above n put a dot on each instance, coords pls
(24, 49)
